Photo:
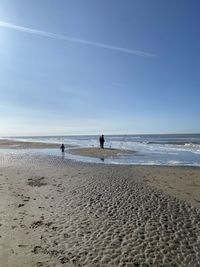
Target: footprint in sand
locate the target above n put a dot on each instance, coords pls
(21, 205)
(37, 249)
(37, 181)
(36, 224)
(22, 246)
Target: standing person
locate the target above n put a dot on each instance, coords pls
(62, 147)
(101, 141)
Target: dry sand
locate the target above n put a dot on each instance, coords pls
(56, 212)
(100, 153)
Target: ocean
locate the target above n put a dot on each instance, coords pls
(157, 149)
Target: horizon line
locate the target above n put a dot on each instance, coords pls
(98, 134)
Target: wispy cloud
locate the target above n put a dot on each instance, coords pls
(75, 40)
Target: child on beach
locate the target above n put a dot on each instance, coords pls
(62, 147)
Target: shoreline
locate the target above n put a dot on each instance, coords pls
(10, 144)
(129, 153)
(90, 152)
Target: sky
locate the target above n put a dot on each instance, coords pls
(99, 66)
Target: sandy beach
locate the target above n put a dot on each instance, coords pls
(56, 212)
(6, 143)
(99, 153)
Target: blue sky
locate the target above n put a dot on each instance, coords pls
(93, 66)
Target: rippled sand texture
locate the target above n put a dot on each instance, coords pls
(59, 213)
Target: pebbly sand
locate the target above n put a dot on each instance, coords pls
(56, 212)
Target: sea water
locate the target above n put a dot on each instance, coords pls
(164, 149)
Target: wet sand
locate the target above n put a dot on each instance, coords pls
(100, 153)
(5, 143)
(56, 212)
